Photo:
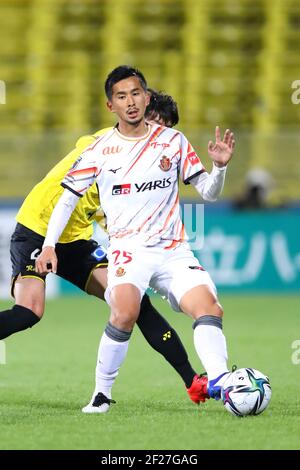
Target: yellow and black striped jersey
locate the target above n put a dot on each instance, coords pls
(37, 208)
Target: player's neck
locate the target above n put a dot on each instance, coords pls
(133, 130)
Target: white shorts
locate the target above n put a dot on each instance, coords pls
(171, 273)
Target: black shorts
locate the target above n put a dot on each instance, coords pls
(76, 260)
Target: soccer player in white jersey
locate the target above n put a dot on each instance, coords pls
(136, 166)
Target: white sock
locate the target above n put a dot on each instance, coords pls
(210, 344)
(111, 355)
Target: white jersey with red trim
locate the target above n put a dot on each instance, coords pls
(138, 182)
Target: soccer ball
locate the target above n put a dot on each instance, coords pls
(246, 392)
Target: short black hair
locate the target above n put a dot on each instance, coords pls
(120, 73)
(164, 106)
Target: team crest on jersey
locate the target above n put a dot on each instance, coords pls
(120, 272)
(165, 163)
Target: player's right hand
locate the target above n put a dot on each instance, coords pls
(46, 262)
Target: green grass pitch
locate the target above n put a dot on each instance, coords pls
(49, 376)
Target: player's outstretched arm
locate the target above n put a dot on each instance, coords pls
(46, 262)
(210, 185)
(222, 150)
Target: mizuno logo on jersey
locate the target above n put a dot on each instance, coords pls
(114, 170)
(164, 183)
(121, 189)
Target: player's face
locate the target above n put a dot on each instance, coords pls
(129, 100)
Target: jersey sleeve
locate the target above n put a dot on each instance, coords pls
(83, 173)
(190, 163)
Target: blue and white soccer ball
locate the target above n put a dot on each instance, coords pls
(246, 392)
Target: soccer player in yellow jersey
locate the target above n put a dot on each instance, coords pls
(81, 260)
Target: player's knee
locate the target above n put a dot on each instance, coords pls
(30, 293)
(35, 306)
(124, 319)
(125, 307)
(208, 307)
(217, 310)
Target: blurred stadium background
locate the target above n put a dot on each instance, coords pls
(234, 63)
(227, 62)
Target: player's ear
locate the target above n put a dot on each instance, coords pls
(110, 106)
(148, 96)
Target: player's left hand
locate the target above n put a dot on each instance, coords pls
(221, 152)
(46, 262)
